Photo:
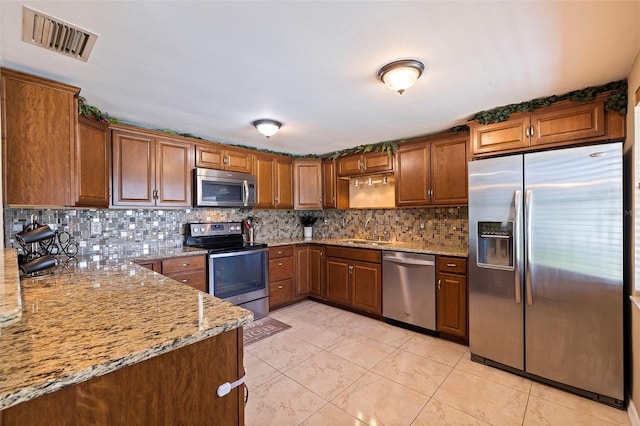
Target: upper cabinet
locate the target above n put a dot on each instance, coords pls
(335, 192)
(432, 171)
(149, 170)
(213, 156)
(366, 163)
(564, 123)
(274, 178)
(39, 119)
(93, 160)
(307, 184)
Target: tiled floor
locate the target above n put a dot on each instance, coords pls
(333, 367)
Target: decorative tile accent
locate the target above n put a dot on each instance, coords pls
(138, 232)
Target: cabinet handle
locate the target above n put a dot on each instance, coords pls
(280, 252)
(451, 265)
(225, 160)
(280, 263)
(532, 132)
(280, 287)
(351, 269)
(184, 265)
(186, 280)
(321, 254)
(439, 283)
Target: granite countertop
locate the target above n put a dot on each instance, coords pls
(76, 325)
(413, 247)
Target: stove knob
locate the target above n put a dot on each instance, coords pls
(232, 228)
(194, 230)
(202, 229)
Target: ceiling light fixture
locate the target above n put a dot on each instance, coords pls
(400, 75)
(267, 127)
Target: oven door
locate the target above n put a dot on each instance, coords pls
(239, 276)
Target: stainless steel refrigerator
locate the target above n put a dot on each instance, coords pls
(546, 263)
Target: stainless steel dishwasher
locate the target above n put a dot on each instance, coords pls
(409, 288)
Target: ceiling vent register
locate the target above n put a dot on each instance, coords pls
(57, 35)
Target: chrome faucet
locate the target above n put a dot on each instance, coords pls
(371, 235)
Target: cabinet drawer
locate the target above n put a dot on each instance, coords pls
(280, 292)
(280, 251)
(364, 255)
(454, 265)
(182, 264)
(197, 279)
(280, 269)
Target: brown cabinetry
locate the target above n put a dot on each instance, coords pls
(370, 162)
(432, 171)
(149, 170)
(307, 184)
(213, 156)
(274, 178)
(189, 270)
(281, 273)
(302, 271)
(563, 123)
(93, 160)
(178, 387)
(39, 125)
(335, 192)
(353, 278)
(452, 297)
(316, 271)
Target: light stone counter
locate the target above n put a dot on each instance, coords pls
(83, 324)
(413, 247)
(10, 300)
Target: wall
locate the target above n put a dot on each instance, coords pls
(131, 233)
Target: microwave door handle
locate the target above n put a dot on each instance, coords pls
(245, 198)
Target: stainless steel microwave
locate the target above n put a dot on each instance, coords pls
(218, 188)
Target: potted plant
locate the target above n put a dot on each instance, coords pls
(307, 222)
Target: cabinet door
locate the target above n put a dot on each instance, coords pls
(281, 293)
(505, 136)
(173, 173)
(568, 123)
(133, 169)
(38, 133)
(93, 159)
(338, 278)
(264, 169)
(329, 200)
(302, 271)
(210, 157)
(412, 175)
(284, 179)
(307, 185)
(280, 269)
(238, 161)
(452, 304)
(449, 174)
(316, 271)
(375, 162)
(349, 165)
(366, 287)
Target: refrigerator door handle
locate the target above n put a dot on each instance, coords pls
(517, 202)
(528, 206)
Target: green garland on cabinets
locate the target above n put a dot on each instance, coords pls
(94, 113)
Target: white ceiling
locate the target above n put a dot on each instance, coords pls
(210, 68)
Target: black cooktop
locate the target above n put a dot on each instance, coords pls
(218, 237)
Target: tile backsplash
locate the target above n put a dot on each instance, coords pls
(136, 232)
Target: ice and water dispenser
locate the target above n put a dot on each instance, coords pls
(495, 245)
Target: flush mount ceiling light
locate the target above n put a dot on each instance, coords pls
(400, 75)
(267, 127)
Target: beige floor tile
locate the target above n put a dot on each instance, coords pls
(580, 404)
(437, 413)
(258, 372)
(385, 333)
(282, 402)
(415, 372)
(543, 412)
(318, 335)
(485, 400)
(326, 374)
(330, 415)
(376, 400)
(284, 352)
(437, 349)
(495, 375)
(361, 350)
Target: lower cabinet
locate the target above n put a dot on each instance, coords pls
(452, 297)
(189, 270)
(302, 271)
(353, 278)
(178, 387)
(281, 273)
(317, 286)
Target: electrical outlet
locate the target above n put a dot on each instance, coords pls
(96, 228)
(421, 225)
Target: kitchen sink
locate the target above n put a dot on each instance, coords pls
(368, 242)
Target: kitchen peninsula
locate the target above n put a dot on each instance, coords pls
(119, 345)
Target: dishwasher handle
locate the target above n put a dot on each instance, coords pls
(408, 261)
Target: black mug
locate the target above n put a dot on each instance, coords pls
(42, 232)
(39, 264)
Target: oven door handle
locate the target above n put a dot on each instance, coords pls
(238, 253)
